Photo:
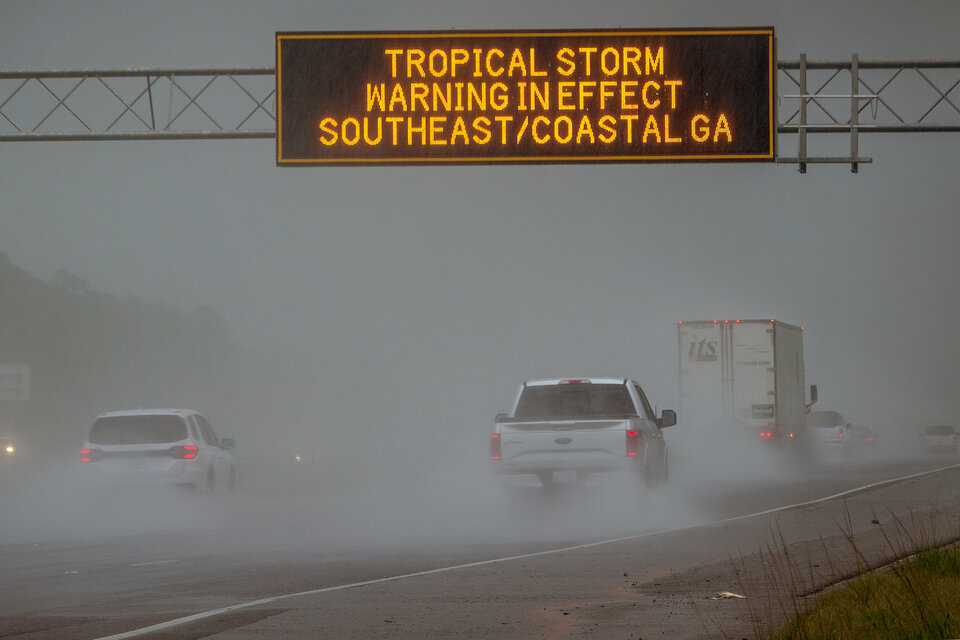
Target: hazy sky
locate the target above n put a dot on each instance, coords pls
(430, 292)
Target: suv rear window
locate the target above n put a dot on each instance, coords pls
(575, 401)
(138, 430)
(824, 419)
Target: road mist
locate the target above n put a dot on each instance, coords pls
(429, 489)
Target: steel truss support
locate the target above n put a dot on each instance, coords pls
(893, 89)
(125, 104)
(197, 104)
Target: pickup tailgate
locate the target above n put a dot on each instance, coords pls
(564, 444)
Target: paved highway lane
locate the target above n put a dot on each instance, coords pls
(593, 560)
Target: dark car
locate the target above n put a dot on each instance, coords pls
(863, 436)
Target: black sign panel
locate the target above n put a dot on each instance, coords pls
(526, 97)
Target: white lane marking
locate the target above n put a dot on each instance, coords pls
(255, 603)
(150, 564)
(849, 492)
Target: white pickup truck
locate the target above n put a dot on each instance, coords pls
(583, 425)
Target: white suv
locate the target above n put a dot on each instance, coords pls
(158, 447)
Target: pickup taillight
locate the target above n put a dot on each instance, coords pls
(184, 452)
(90, 455)
(633, 443)
(495, 446)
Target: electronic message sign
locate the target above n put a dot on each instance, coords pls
(511, 97)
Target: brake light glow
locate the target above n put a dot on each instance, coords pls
(184, 452)
(633, 443)
(90, 455)
(766, 434)
(495, 446)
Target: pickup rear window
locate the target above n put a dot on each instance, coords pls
(575, 400)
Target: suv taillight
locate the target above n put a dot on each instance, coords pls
(184, 452)
(495, 446)
(90, 455)
(633, 443)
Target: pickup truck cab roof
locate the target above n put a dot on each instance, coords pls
(553, 381)
(149, 412)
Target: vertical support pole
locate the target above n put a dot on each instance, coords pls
(153, 122)
(729, 389)
(802, 135)
(854, 111)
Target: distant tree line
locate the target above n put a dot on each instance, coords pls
(90, 352)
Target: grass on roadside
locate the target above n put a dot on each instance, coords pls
(917, 598)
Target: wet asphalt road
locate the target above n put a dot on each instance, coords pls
(594, 560)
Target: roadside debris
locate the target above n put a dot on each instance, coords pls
(728, 595)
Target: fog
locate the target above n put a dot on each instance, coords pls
(388, 314)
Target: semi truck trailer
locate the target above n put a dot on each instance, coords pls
(743, 376)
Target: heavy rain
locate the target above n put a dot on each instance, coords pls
(355, 329)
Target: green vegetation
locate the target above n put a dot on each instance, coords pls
(918, 598)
